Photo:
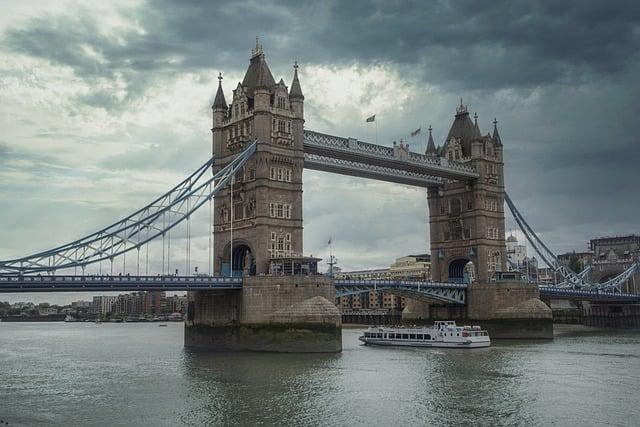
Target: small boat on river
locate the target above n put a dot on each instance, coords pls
(441, 334)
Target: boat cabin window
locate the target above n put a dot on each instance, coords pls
(412, 336)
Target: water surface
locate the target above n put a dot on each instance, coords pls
(78, 374)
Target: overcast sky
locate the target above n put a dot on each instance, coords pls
(102, 108)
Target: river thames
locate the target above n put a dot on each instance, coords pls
(139, 374)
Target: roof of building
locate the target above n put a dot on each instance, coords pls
(496, 136)
(431, 146)
(512, 238)
(219, 101)
(296, 90)
(421, 257)
(464, 129)
(258, 74)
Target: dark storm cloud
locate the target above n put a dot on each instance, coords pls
(571, 145)
(465, 43)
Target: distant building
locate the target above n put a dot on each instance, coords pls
(583, 258)
(103, 304)
(411, 267)
(81, 304)
(516, 253)
(45, 311)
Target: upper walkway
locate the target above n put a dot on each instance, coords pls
(349, 156)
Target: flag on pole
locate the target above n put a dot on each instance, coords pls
(329, 242)
(417, 131)
(371, 119)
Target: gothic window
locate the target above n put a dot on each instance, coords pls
(280, 210)
(441, 208)
(281, 102)
(450, 156)
(238, 211)
(281, 126)
(288, 127)
(252, 174)
(455, 230)
(455, 207)
(491, 204)
(242, 108)
(274, 124)
(235, 110)
(469, 205)
(492, 233)
(280, 174)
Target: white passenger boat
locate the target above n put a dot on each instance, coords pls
(441, 334)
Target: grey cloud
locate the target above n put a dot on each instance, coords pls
(560, 76)
(466, 43)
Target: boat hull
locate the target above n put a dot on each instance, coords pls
(429, 344)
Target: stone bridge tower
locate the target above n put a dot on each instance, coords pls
(267, 194)
(467, 219)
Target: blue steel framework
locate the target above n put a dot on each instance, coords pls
(449, 293)
(322, 152)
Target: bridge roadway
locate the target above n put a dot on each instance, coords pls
(452, 293)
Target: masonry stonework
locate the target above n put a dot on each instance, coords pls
(467, 218)
(258, 219)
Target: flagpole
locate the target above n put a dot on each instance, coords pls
(376, 122)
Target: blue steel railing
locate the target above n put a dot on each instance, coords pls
(90, 283)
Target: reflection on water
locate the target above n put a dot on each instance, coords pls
(139, 374)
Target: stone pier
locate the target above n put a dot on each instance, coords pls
(511, 310)
(270, 313)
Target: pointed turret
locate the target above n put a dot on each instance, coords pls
(478, 134)
(431, 146)
(496, 136)
(258, 75)
(296, 91)
(463, 129)
(219, 102)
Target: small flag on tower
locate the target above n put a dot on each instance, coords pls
(417, 131)
(329, 241)
(371, 119)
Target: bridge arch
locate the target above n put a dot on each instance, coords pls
(242, 259)
(461, 270)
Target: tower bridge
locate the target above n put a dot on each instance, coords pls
(254, 194)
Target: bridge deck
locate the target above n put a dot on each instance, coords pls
(446, 292)
(91, 283)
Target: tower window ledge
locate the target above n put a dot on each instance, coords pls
(286, 142)
(278, 134)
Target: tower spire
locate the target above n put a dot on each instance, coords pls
(258, 49)
(296, 90)
(496, 136)
(431, 146)
(219, 101)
